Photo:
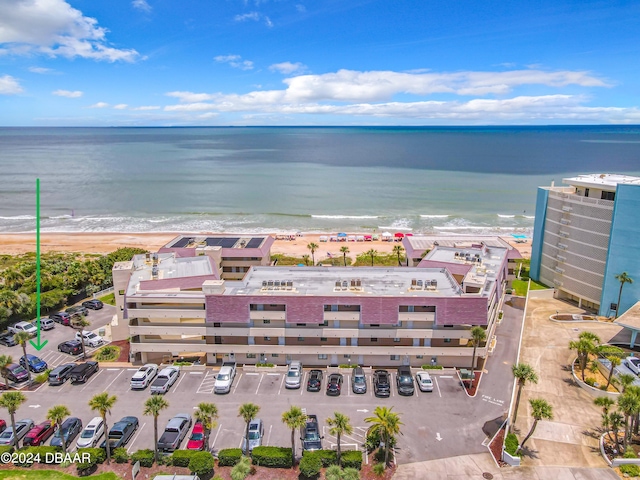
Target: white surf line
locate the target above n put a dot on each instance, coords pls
(438, 386)
(107, 387)
(261, 377)
(136, 437)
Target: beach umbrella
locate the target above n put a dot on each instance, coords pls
(399, 235)
(341, 234)
(301, 264)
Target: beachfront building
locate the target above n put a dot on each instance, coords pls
(585, 234)
(373, 316)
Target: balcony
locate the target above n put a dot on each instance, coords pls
(165, 313)
(267, 315)
(346, 316)
(417, 317)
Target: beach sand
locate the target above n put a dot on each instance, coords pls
(18, 243)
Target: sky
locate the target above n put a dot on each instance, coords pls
(318, 62)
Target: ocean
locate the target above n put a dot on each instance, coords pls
(449, 180)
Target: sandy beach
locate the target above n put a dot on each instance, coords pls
(18, 243)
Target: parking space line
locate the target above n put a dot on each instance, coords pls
(261, 377)
(92, 380)
(347, 384)
(107, 387)
(217, 433)
(302, 383)
(281, 383)
(175, 389)
(269, 436)
(237, 383)
(438, 386)
(136, 437)
(252, 373)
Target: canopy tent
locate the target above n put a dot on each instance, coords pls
(375, 237)
(386, 235)
(399, 235)
(324, 238)
(408, 234)
(367, 238)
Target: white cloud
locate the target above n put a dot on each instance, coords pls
(121, 106)
(268, 22)
(41, 70)
(255, 16)
(67, 93)
(99, 105)
(147, 107)
(141, 5)
(235, 61)
(288, 67)
(54, 28)
(301, 8)
(9, 85)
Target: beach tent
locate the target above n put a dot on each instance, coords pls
(375, 237)
(408, 234)
(301, 264)
(360, 238)
(367, 238)
(342, 237)
(399, 235)
(324, 238)
(386, 236)
(352, 238)
(333, 238)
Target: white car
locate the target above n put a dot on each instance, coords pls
(424, 381)
(89, 338)
(143, 377)
(30, 328)
(91, 434)
(224, 379)
(633, 363)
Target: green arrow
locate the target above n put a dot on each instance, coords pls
(38, 346)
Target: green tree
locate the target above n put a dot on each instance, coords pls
(372, 253)
(78, 324)
(306, 259)
(386, 424)
(523, 373)
(478, 335)
(313, 247)
(242, 469)
(629, 405)
(5, 361)
(248, 412)
(605, 402)
(622, 278)
(340, 425)
(57, 414)
(625, 379)
(295, 419)
(207, 413)
(344, 251)
(540, 410)
(586, 344)
(616, 422)
(614, 355)
(152, 407)
(22, 338)
(103, 403)
(12, 401)
(397, 249)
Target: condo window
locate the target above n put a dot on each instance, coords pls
(324, 324)
(395, 357)
(447, 340)
(608, 195)
(347, 356)
(586, 192)
(266, 322)
(419, 357)
(374, 325)
(121, 292)
(323, 339)
(301, 339)
(275, 355)
(323, 356)
(396, 339)
(301, 324)
(216, 324)
(267, 339)
(374, 339)
(251, 355)
(448, 326)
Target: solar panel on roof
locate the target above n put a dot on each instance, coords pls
(183, 242)
(254, 242)
(224, 242)
(229, 242)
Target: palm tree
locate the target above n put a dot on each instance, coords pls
(306, 259)
(339, 425)
(56, 415)
(207, 413)
(523, 373)
(616, 422)
(614, 355)
(585, 345)
(605, 402)
(625, 379)
(79, 324)
(629, 405)
(478, 335)
(313, 247)
(386, 424)
(622, 278)
(397, 249)
(103, 403)
(12, 401)
(372, 253)
(540, 410)
(294, 418)
(23, 338)
(152, 407)
(344, 251)
(5, 361)
(248, 412)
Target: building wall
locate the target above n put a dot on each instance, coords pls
(538, 232)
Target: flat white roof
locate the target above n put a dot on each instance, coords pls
(168, 266)
(601, 180)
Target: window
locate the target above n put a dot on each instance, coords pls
(217, 324)
(447, 340)
(275, 355)
(323, 339)
(373, 339)
(266, 322)
(301, 339)
(448, 326)
(374, 325)
(419, 356)
(301, 324)
(347, 356)
(586, 192)
(323, 356)
(395, 357)
(608, 195)
(267, 339)
(324, 324)
(121, 292)
(396, 340)
(251, 355)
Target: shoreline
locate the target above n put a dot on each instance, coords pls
(106, 242)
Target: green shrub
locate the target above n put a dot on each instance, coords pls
(31, 452)
(42, 377)
(378, 469)
(120, 455)
(145, 457)
(98, 454)
(347, 365)
(631, 470)
(265, 365)
(201, 464)
(242, 469)
(274, 457)
(108, 353)
(432, 367)
(327, 457)
(352, 459)
(511, 444)
(5, 449)
(590, 381)
(629, 453)
(310, 466)
(229, 457)
(372, 441)
(181, 458)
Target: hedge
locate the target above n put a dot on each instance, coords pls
(99, 454)
(5, 449)
(201, 464)
(310, 466)
(274, 457)
(120, 455)
(432, 367)
(511, 444)
(181, 458)
(351, 459)
(31, 452)
(145, 457)
(327, 457)
(229, 457)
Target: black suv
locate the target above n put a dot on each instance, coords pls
(315, 381)
(404, 381)
(381, 383)
(77, 310)
(334, 384)
(61, 317)
(82, 371)
(72, 347)
(93, 304)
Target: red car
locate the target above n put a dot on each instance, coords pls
(3, 425)
(38, 434)
(196, 440)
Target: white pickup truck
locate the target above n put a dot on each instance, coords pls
(89, 338)
(225, 378)
(23, 327)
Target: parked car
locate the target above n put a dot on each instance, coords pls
(633, 363)
(7, 340)
(35, 364)
(121, 433)
(70, 429)
(60, 374)
(334, 384)
(82, 371)
(256, 433)
(17, 373)
(424, 381)
(294, 375)
(72, 347)
(175, 432)
(90, 339)
(404, 381)
(225, 377)
(39, 434)
(314, 384)
(93, 304)
(22, 428)
(47, 324)
(62, 318)
(144, 376)
(77, 310)
(381, 383)
(358, 381)
(30, 328)
(3, 425)
(196, 440)
(91, 434)
(310, 434)
(165, 379)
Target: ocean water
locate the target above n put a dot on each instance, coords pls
(282, 179)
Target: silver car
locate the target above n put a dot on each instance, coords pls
(424, 381)
(294, 375)
(256, 432)
(22, 428)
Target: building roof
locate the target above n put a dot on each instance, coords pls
(224, 241)
(416, 245)
(601, 180)
(630, 318)
(181, 271)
